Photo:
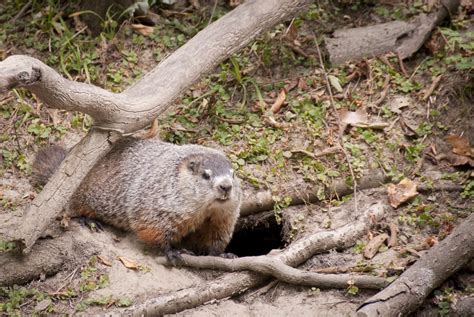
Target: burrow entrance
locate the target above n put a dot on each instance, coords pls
(256, 236)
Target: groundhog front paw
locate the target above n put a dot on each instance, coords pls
(228, 255)
(92, 224)
(174, 257)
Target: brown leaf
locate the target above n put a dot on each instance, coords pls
(279, 101)
(460, 145)
(459, 160)
(392, 242)
(291, 84)
(401, 192)
(303, 85)
(142, 29)
(104, 260)
(292, 32)
(353, 117)
(374, 245)
(430, 241)
(129, 264)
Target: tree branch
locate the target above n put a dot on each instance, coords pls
(262, 201)
(132, 109)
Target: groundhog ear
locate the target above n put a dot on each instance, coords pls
(193, 166)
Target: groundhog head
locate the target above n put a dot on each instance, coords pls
(212, 177)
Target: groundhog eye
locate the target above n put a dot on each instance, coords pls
(206, 175)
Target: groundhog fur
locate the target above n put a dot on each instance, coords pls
(173, 196)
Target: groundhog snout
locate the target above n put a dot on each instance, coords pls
(224, 188)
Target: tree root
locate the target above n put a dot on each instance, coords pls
(235, 283)
(270, 265)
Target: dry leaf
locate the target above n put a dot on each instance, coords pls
(303, 85)
(335, 83)
(397, 103)
(104, 260)
(234, 3)
(374, 245)
(142, 29)
(430, 241)
(279, 101)
(401, 192)
(352, 118)
(462, 152)
(129, 264)
(460, 160)
(460, 145)
(292, 32)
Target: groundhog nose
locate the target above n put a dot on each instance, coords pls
(225, 188)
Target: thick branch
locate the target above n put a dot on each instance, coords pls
(151, 96)
(262, 201)
(55, 195)
(231, 284)
(430, 271)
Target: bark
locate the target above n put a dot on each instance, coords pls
(430, 271)
(231, 284)
(46, 206)
(402, 38)
(49, 256)
(132, 109)
(262, 201)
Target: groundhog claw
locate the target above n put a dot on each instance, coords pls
(228, 255)
(92, 224)
(174, 257)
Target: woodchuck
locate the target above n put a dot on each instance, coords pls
(173, 196)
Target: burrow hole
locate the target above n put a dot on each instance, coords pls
(256, 237)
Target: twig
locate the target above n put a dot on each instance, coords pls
(392, 242)
(400, 63)
(21, 12)
(235, 283)
(331, 150)
(212, 12)
(432, 87)
(383, 95)
(341, 142)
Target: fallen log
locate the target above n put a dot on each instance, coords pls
(263, 201)
(430, 271)
(400, 37)
(48, 257)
